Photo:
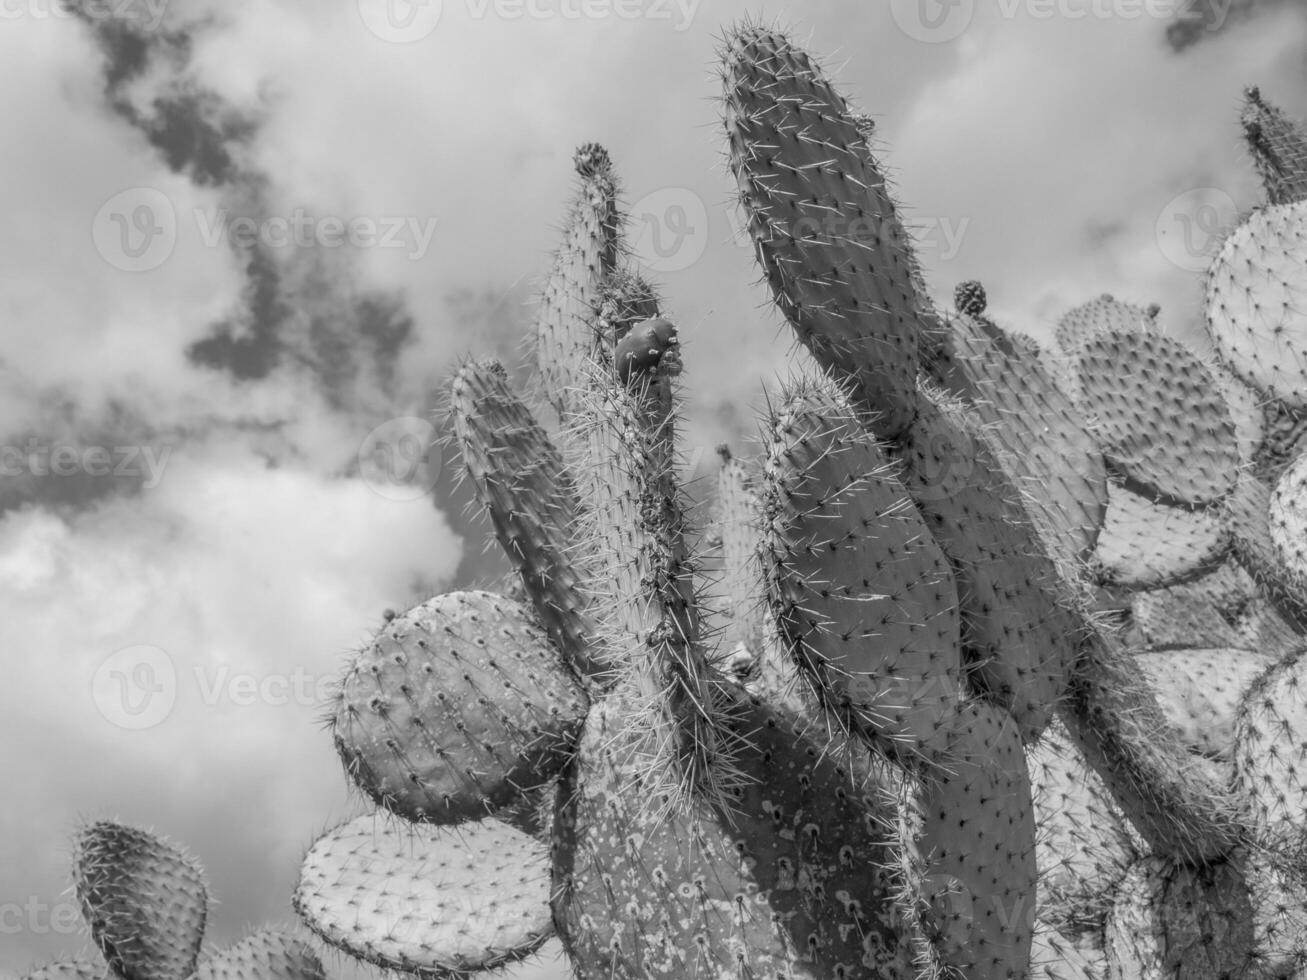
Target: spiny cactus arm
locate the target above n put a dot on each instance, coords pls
(436, 902)
(1083, 843)
(566, 336)
(144, 899)
(1255, 315)
(1278, 146)
(1032, 427)
(633, 547)
(1018, 634)
(862, 596)
(1159, 416)
(827, 233)
(521, 480)
(978, 839)
(266, 955)
(1114, 718)
(457, 708)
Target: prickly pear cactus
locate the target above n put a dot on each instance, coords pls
(996, 673)
(145, 901)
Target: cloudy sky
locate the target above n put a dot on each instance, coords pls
(245, 240)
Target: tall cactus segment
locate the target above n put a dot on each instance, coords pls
(566, 335)
(1278, 146)
(836, 253)
(863, 596)
(1030, 424)
(146, 902)
(520, 478)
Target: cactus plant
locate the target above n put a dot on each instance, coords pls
(145, 901)
(914, 749)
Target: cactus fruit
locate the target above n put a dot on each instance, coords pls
(146, 902)
(969, 298)
(144, 899)
(428, 900)
(456, 708)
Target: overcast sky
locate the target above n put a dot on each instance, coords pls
(197, 517)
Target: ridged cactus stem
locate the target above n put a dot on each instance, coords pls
(635, 530)
(566, 337)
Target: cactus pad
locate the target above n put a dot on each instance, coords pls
(144, 899)
(456, 708)
(880, 650)
(1149, 545)
(266, 955)
(1160, 419)
(826, 231)
(1255, 313)
(427, 900)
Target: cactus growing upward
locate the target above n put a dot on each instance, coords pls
(145, 902)
(862, 774)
